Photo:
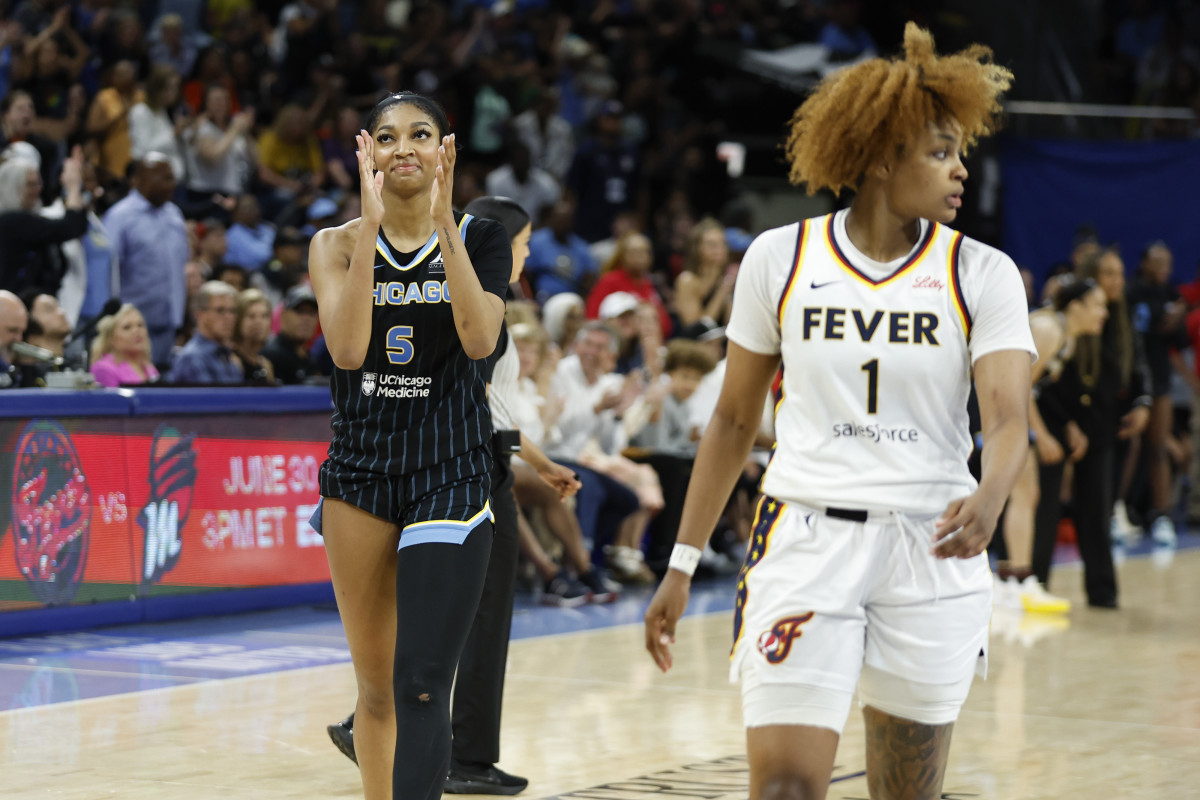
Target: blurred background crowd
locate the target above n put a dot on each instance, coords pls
(165, 163)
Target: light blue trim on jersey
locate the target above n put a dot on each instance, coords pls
(443, 531)
(382, 248)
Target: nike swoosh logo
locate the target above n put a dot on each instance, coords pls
(816, 285)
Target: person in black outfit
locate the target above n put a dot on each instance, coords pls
(479, 687)
(288, 350)
(1157, 312)
(411, 300)
(29, 252)
(1107, 380)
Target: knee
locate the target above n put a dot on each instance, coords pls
(792, 787)
(422, 687)
(375, 699)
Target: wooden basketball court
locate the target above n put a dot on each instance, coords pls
(1097, 704)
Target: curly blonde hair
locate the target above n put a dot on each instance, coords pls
(875, 108)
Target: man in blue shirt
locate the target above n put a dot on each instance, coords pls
(249, 241)
(559, 260)
(207, 357)
(150, 239)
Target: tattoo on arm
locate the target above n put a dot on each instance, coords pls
(449, 243)
(906, 760)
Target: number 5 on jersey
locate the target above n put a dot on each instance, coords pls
(399, 344)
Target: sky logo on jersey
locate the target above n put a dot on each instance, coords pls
(437, 265)
(776, 644)
(368, 385)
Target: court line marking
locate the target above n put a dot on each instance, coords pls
(106, 672)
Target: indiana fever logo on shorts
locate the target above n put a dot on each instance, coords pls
(776, 643)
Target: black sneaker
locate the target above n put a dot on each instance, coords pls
(342, 736)
(482, 780)
(602, 591)
(564, 591)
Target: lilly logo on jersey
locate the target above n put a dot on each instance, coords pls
(368, 384)
(776, 644)
(928, 282)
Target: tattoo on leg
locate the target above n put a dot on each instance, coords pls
(449, 243)
(906, 760)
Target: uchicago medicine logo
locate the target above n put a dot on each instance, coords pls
(52, 512)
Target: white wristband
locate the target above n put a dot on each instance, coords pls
(684, 558)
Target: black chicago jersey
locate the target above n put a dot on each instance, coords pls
(418, 399)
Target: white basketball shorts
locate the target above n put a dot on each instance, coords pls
(819, 596)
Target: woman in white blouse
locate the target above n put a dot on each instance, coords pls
(151, 129)
(220, 153)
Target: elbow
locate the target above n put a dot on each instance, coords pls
(347, 358)
(476, 350)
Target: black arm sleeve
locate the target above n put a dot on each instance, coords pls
(490, 254)
(33, 230)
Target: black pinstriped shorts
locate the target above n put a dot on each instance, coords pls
(431, 504)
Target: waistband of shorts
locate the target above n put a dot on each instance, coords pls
(853, 514)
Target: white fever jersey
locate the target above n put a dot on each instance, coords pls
(871, 411)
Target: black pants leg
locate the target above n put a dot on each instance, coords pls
(479, 690)
(674, 472)
(437, 594)
(1049, 512)
(1093, 510)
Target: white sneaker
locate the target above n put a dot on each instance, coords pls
(1122, 529)
(1162, 531)
(1006, 593)
(1036, 600)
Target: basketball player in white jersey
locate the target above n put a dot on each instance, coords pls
(867, 568)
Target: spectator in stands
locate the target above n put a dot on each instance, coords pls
(151, 242)
(29, 243)
(234, 275)
(287, 268)
(219, 150)
(605, 175)
(251, 329)
(172, 46)
(250, 241)
(559, 260)
(48, 325)
(704, 289)
(13, 320)
(669, 428)
(1157, 314)
(108, 120)
(288, 349)
(337, 148)
(629, 271)
(58, 99)
(207, 357)
(212, 245)
(532, 188)
(618, 497)
(151, 128)
(548, 136)
(290, 163)
(212, 69)
(17, 122)
(91, 277)
(843, 34)
(121, 352)
(563, 316)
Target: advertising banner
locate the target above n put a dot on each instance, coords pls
(105, 509)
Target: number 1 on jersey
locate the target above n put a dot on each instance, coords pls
(399, 345)
(872, 370)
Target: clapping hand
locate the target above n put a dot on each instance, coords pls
(371, 181)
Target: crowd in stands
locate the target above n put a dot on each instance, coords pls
(164, 165)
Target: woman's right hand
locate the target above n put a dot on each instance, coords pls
(370, 180)
(665, 609)
(1049, 450)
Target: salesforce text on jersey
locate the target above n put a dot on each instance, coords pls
(875, 432)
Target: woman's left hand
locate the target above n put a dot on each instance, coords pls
(441, 205)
